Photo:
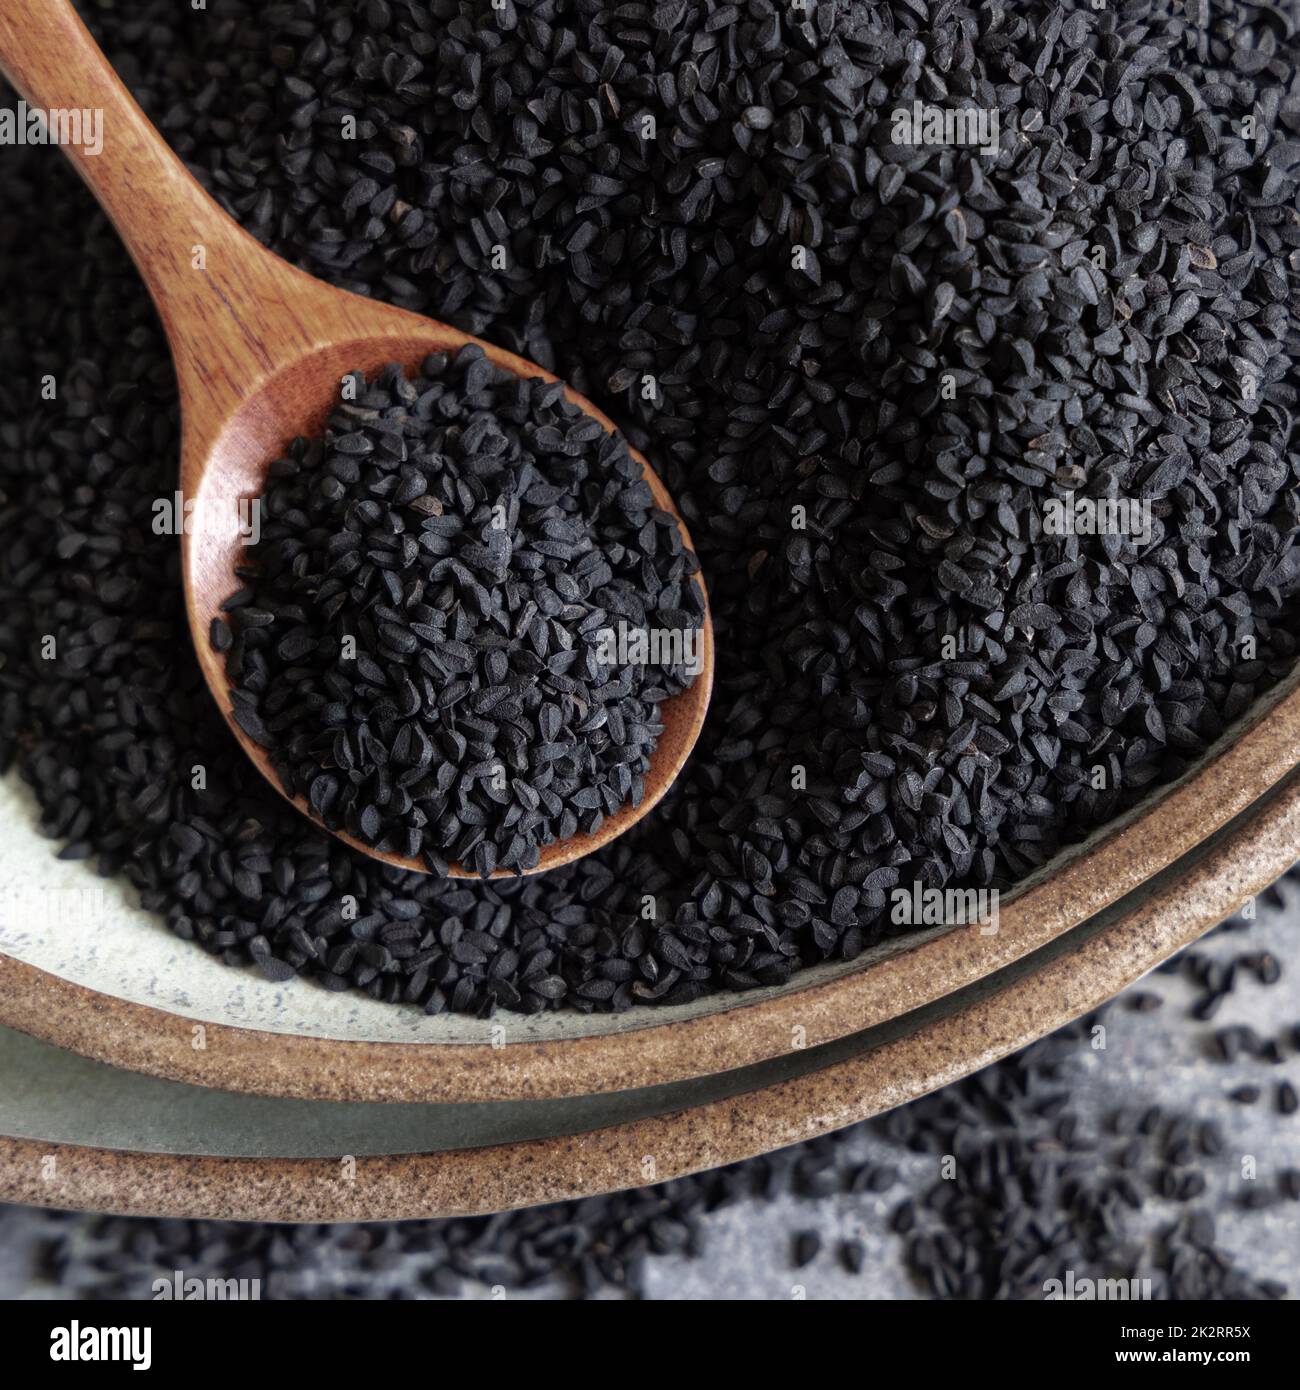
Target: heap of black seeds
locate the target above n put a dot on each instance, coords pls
(863, 369)
(1034, 1191)
(427, 641)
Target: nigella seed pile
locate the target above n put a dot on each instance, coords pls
(864, 362)
(425, 640)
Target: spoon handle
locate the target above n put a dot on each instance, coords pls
(207, 276)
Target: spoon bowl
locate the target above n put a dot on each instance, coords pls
(305, 393)
(260, 348)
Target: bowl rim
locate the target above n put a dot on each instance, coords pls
(649, 1046)
(1060, 984)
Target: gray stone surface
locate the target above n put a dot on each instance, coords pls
(1160, 1057)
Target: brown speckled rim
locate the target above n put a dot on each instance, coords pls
(655, 1047)
(1066, 980)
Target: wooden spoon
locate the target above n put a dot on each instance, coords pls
(260, 349)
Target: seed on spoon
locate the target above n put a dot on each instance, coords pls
(427, 647)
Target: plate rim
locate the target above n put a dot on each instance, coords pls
(670, 1046)
(463, 1182)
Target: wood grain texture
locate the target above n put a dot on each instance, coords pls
(260, 348)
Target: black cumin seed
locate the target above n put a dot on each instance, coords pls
(1130, 334)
